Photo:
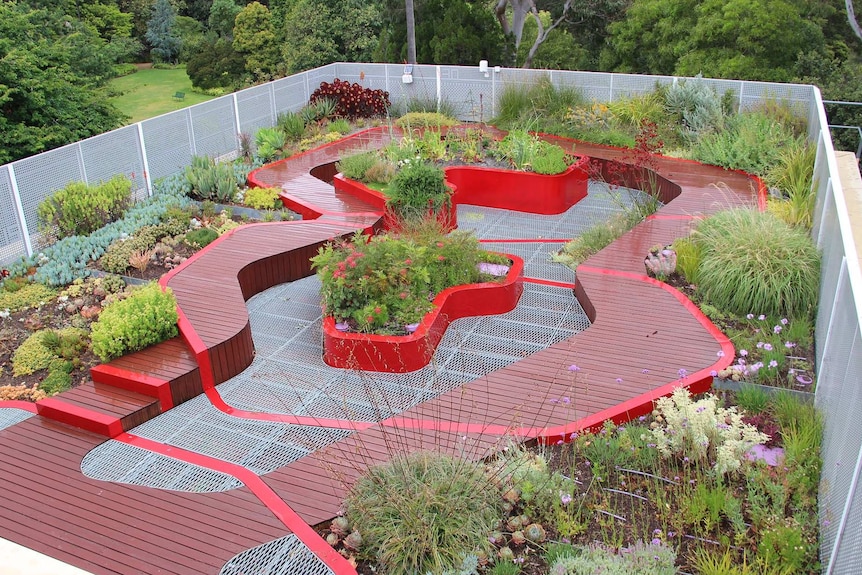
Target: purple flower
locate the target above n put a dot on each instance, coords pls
(656, 541)
(644, 371)
(784, 321)
(619, 380)
(761, 317)
(566, 401)
(554, 401)
(743, 352)
(713, 373)
(682, 373)
(773, 363)
(750, 316)
(777, 329)
(789, 344)
(767, 346)
(759, 345)
(720, 353)
(574, 367)
(700, 409)
(565, 498)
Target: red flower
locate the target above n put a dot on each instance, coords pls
(440, 258)
(377, 310)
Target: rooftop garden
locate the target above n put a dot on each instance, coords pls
(722, 483)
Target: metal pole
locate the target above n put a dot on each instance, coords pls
(147, 183)
(19, 209)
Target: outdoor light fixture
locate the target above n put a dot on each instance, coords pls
(483, 67)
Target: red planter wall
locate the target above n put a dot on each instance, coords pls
(519, 191)
(401, 354)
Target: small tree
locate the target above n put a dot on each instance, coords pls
(160, 32)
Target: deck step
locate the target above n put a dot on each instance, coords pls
(166, 371)
(99, 408)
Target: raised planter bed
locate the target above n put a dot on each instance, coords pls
(496, 188)
(402, 354)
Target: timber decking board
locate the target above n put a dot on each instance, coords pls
(113, 528)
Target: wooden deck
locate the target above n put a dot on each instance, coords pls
(645, 339)
(111, 528)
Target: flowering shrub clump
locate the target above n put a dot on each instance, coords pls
(353, 100)
(388, 282)
(703, 431)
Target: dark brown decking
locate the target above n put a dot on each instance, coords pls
(111, 528)
(642, 336)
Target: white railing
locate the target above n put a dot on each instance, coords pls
(164, 145)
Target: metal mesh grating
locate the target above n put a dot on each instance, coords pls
(9, 416)
(123, 463)
(289, 94)
(169, 143)
(39, 176)
(11, 238)
(214, 127)
(284, 556)
(117, 152)
(288, 374)
(260, 446)
(255, 108)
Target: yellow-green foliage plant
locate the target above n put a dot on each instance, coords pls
(32, 355)
(424, 120)
(262, 198)
(793, 177)
(17, 295)
(148, 316)
(80, 209)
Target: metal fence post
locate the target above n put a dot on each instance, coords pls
(19, 209)
(147, 183)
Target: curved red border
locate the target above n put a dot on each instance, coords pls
(290, 518)
(402, 354)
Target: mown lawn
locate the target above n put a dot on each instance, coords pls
(150, 92)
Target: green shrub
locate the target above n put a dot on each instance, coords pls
(750, 142)
(292, 125)
(549, 159)
(270, 143)
(385, 283)
(44, 347)
(417, 188)
(356, 166)
(688, 256)
(424, 512)
(596, 238)
(754, 262)
(339, 126)
(654, 558)
(262, 198)
(425, 120)
(752, 399)
(210, 180)
(793, 177)
(15, 295)
(32, 355)
(57, 381)
(542, 106)
(79, 209)
(695, 106)
(201, 237)
(146, 317)
(116, 258)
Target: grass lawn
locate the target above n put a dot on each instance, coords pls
(150, 92)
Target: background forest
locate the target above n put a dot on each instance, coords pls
(56, 56)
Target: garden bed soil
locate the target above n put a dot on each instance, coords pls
(16, 328)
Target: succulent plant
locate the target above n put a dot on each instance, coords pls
(506, 554)
(497, 538)
(535, 533)
(332, 539)
(353, 541)
(514, 523)
(518, 538)
(512, 495)
(340, 525)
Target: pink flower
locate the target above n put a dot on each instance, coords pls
(574, 367)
